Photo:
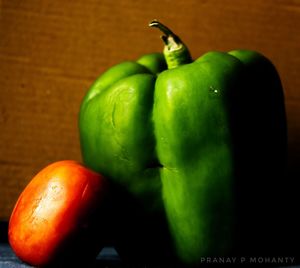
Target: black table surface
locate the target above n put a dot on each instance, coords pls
(107, 258)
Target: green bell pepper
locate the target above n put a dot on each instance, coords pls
(198, 145)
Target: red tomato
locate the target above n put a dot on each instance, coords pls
(55, 218)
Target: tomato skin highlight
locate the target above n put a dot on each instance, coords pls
(56, 213)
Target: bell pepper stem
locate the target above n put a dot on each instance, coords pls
(175, 51)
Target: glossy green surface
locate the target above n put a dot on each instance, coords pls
(169, 138)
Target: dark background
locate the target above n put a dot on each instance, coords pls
(51, 51)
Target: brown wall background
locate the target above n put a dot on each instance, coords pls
(51, 51)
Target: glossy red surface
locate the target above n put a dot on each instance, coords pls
(56, 206)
